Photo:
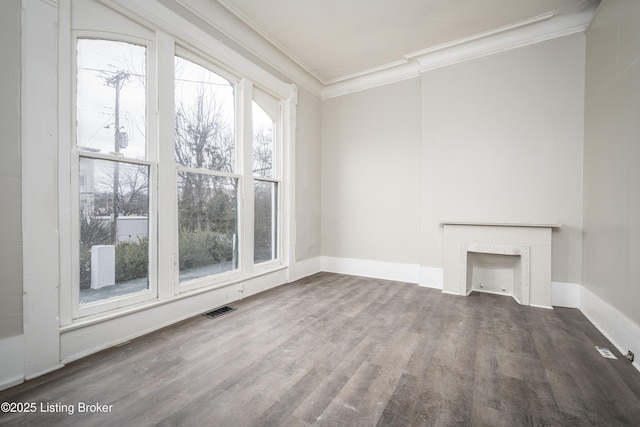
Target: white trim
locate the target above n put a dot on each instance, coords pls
(82, 340)
(525, 33)
(486, 34)
(253, 40)
(431, 277)
(264, 35)
(565, 294)
(287, 172)
(301, 269)
(39, 144)
(231, 23)
(375, 269)
(505, 40)
(615, 326)
(503, 224)
(369, 80)
(12, 366)
(623, 333)
(159, 17)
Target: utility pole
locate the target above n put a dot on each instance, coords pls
(116, 81)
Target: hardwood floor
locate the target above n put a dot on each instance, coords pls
(342, 350)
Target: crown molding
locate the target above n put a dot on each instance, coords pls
(249, 22)
(532, 31)
(149, 12)
(506, 39)
(369, 80)
(484, 35)
(225, 19)
(240, 30)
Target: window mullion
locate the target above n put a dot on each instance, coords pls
(167, 212)
(246, 138)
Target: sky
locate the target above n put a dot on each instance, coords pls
(99, 60)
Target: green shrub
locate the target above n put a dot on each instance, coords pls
(204, 247)
(85, 267)
(132, 260)
(197, 248)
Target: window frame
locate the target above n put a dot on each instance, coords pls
(149, 294)
(277, 178)
(169, 34)
(221, 279)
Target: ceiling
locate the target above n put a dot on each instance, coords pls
(338, 39)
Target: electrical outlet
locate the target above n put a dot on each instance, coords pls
(630, 356)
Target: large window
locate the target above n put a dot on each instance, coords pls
(176, 170)
(205, 147)
(113, 172)
(265, 182)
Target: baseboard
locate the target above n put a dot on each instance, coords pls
(305, 268)
(375, 269)
(12, 366)
(565, 294)
(431, 277)
(615, 326)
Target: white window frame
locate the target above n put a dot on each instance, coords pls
(164, 287)
(236, 274)
(151, 293)
(278, 170)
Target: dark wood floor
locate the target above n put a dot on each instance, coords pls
(341, 350)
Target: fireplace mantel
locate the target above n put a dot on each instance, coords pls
(530, 241)
(502, 224)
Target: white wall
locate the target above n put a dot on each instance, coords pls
(371, 174)
(612, 162)
(11, 338)
(496, 139)
(308, 168)
(502, 142)
(10, 170)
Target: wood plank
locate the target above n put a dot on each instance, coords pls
(343, 350)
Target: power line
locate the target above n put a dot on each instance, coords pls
(144, 76)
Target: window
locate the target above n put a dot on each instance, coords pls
(175, 163)
(205, 147)
(265, 182)
(113, 171)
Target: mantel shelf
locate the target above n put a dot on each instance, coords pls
(502, 224)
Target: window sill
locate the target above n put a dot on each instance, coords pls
(147, 305)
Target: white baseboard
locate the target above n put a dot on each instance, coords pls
(305, 268)
(431, 277)
(622, 332)
(619, 329)
(12, 366)
(565, 294)
(375, 269)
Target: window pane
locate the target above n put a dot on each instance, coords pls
(205, 136)
(111, 100)
(208, 224)
(114, 242)
(263, 138)
(265, 221)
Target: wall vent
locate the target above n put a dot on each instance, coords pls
(219, 312)
(605, 352)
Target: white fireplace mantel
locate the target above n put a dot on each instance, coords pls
(502, 224)
(530, 241)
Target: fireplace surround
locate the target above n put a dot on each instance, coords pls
(531, 242)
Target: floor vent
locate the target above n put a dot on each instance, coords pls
(219, 312)
(605, 352)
